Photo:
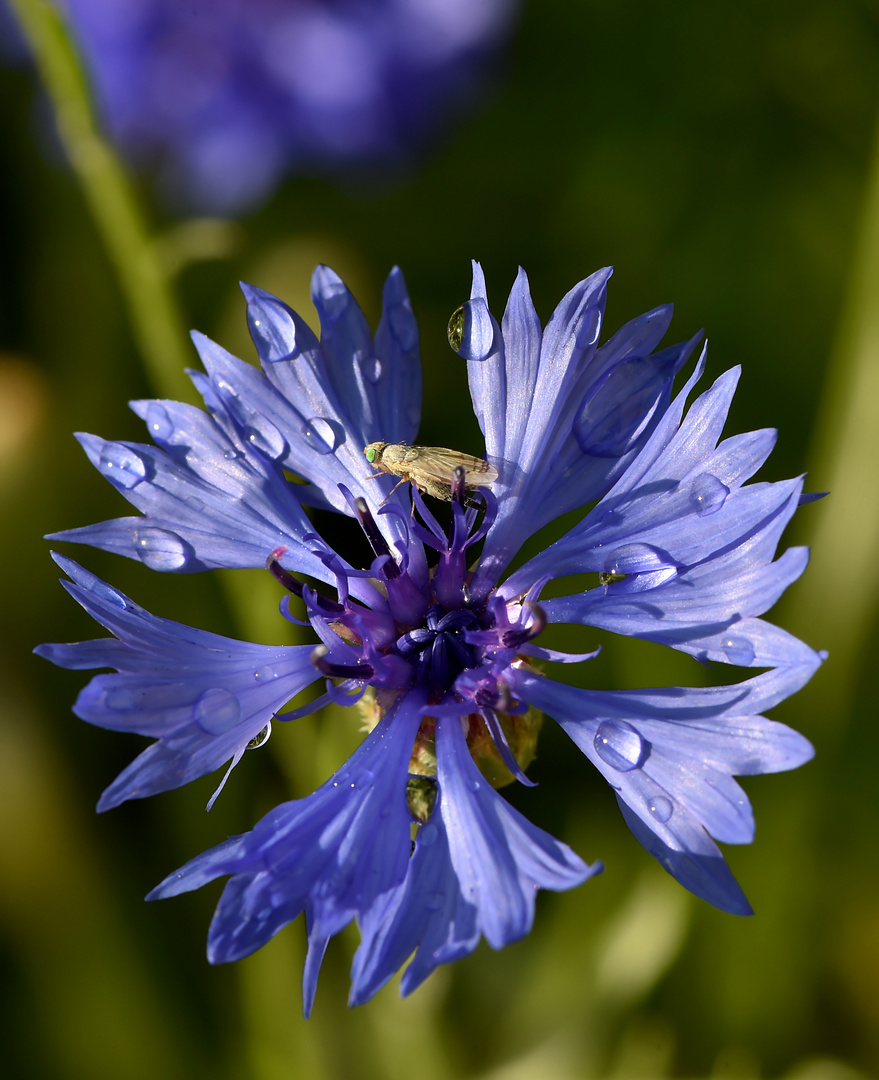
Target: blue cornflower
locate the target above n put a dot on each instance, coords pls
(228, 96)
(436, 642)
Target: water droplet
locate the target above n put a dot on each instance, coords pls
(263, 434)
(159, 549)
(225, 389)
(216, 711)
(474, 785)
(231, 455)
(123, 466)
(109, 594)
(272, 329)
(589, 328)
(158, 422)
(404, 328)
(620, 745)
(456, 328)
(634, 559)
(321, 435)
(373, 369)
(261, 739)
(661, 808)
(738, 651)
(427, 835)
(471, 330)
(120, 700)
(265, 674)
(708, 494)
(329, 292)
(434, 900)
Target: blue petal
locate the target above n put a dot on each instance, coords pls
(203, 508)
(335, 853)
(562, 416)
(670, 755)
(202, 696)
(476, 870)
(398, 374)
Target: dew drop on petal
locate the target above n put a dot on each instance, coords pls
(120, 700)
(661, 808)
(708, 494)
(373, 369)
(474, 785)
(159, 422)
(216, 711)
(330, 292)
(471, 330)
(272, 329)
(123, 466)
(589, 328)
(738, 650)
(261, 738)
(159, 549)
(265, 674)
(320, 434)
(109, 595)
(619, 745)
(427, 835)
(404, 328)
(456, 328)
(231, 455)
(263, 434)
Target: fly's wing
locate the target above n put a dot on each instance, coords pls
(439, 464)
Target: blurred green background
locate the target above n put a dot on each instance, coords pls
(719, 154)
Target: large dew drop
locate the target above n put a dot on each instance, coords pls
(619, 744)
(159, 549)
(404, 328)
(471, 330)
(159, 422)
(263, 434)
(738, 650)
(272, 329)
(660, 808)
(216, 711)
(708, 494)
(122, 466)
(320, 434)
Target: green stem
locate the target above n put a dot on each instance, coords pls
(157, 326)
(837, 600)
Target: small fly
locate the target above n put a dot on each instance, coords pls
(430, 468)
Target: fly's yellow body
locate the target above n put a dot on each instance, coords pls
(430, 468)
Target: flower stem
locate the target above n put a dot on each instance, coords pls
(135, 255)
(840, 592)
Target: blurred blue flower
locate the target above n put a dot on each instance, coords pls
(228, 96)
(440, 653)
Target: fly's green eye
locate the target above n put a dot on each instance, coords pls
(370, 456)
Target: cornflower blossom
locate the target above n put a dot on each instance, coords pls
(228, 96)
(437, 639)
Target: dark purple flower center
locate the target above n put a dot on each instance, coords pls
(437, 650)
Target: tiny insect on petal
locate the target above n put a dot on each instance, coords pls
(430, 468)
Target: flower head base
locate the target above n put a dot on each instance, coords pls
(434, 641)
